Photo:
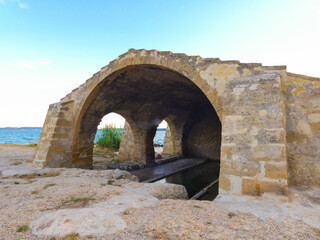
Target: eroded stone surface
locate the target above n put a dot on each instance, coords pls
(99, 219)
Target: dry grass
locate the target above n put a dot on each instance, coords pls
(110, 182)
(317, 230)
(38, 175)
(71, 236)
(49, 185)
(105, 152)
(76, 202)
(197, 206)
(16, 163)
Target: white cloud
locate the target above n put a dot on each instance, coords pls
(20, 4)
(33, 64)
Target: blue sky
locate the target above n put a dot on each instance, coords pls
(49, 47)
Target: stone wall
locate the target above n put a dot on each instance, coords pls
(54, 145)
(253, 150)
(303, 129)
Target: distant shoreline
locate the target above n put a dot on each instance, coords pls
(16, 145)
(31, 135)
(19, 127)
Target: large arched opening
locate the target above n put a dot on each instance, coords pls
(145, 95)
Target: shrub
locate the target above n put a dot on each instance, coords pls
(110, 137)
(32, 144)
(22, 228)
(120, 177)
(125, 212)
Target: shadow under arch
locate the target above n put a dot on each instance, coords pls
(144, 95)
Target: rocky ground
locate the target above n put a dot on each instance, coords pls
(111, 204)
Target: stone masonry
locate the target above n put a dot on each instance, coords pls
(262, 123)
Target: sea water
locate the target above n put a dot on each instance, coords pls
(27, 135)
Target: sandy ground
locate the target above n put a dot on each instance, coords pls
(51, 203)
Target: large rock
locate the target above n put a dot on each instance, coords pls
(160, 190)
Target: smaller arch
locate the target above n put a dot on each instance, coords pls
(173, 139)
(84, 158)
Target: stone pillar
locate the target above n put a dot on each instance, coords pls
(137, 145)
(144, 148)
(253, 150)
(54, 145)
(127, 150)
(168, 148)
(172, 144)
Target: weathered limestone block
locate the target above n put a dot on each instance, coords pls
(237, 168)
(253, 152)
(276, 171)
(161, 190)
(268, 152)
(257, 187)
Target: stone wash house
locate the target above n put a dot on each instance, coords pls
(261, 122)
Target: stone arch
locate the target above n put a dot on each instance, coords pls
(104, 96)
(124, 64)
